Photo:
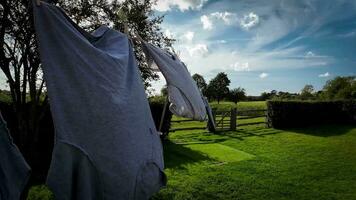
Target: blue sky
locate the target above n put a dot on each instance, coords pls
(263, 45)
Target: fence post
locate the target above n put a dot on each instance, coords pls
(233, 119)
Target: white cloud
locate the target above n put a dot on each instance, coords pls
(309, 54)
(189, 36)
(198, 50)
(207, 24)
(208, 20)
(182, 5)
(227, 17)
(263, 75)
(250, 20)
(324, 75)
(240, 67)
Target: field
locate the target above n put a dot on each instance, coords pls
(240, 105)
(255, 162)
(226, 106)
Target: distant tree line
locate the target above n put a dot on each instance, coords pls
(339, 88)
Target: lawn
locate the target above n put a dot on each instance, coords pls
(262, 163)
(256, 162)
(224, 105)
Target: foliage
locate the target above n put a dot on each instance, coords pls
(307, 92)
(340, 88)
(285, 114)
(40, 192)
(5, 96)
(164, 91)
(201, 83)
(237, 94)
(268, 95)
(218, 87)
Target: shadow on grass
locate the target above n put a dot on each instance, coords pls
(323, 130)
(242, 133)
(176, 155)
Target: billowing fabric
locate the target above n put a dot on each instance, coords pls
(106, 143)
(183, 93)
(14, 171)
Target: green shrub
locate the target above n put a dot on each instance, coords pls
(285, 114)
(40, 192)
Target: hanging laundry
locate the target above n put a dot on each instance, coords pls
(106, 143)
(183, 93)
(14, 171)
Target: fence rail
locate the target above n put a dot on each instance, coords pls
(228, 120)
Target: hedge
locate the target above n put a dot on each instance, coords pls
(286, 114)
(7, 111)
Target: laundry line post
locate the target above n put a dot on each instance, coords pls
(163, 114)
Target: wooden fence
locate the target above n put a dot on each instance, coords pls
(228, 120)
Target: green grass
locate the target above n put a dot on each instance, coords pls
(219, 152)
(225, 105)
(310, 163)
(256, 162)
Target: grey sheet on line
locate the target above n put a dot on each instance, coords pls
(183, 93)
(106, 143)
(14, 171)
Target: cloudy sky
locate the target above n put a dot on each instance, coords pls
(264, 45)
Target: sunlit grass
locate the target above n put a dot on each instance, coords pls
(256, 162)
(310, 163)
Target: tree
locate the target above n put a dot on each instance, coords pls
(20, 63)
(268, 95)
(237, 94)
(164, 91)
(199, 79)
(218, 87)
(307, 92)
(340, 88)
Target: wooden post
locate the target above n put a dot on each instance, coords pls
(163, 115)
(233, 119)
